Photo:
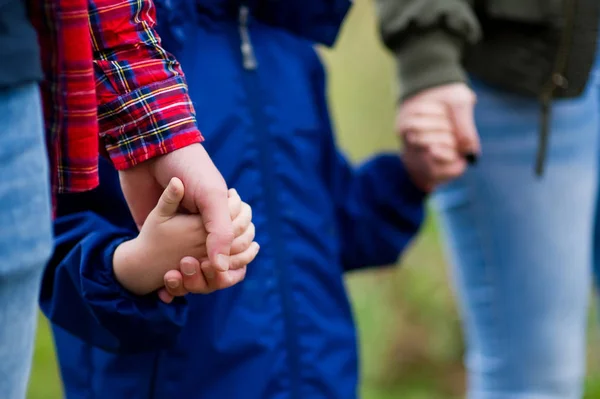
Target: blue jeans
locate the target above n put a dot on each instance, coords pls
(521, 247)
(25, 231)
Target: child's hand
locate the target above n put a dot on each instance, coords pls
(431, 152)
(164, 240)
(200, 279)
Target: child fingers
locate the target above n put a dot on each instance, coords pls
(235, 203)
(170, 199)
(243, 241)
(243, 220)
(173, 280)
(244, 258)
(234, 277)
(193, 277)
(164, 296)
(227, 279)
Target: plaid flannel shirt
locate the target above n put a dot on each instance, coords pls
(110, 88)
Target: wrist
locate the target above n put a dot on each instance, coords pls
(127, 259)
(416, 176)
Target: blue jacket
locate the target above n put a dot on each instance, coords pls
(287, 330)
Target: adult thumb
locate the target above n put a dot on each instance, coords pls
(465, 131)
(169, 201)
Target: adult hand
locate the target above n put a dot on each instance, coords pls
(455, 103)
(197, 278)
(431, 155)
(205, 193)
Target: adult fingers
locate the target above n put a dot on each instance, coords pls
(421, 106)
(243, 259)
(193, 278)
(222, 280)
(212, 203)
(451, 170)
(420, 124)
(429, 139)
(234, 202)
(444, 154)
(205, 193)
(243, 241)
(463, 118)
(242, 221)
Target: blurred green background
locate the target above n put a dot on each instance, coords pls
(411, 346)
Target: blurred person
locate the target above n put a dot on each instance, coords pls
(521, 227)
(287, 330)
(147, 126)
(25, 214)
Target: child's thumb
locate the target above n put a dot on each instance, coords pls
(169, 201)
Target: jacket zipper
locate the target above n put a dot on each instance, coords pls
(260, 121)
(557, 80)
(248, 58)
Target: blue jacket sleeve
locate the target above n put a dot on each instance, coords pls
(379, 210)
(81, 295)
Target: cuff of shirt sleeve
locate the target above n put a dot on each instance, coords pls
(148, 122)
(140, 323)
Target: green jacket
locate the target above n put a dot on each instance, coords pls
(539, 48)
(439, 41)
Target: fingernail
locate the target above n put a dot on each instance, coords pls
(188, 269)
(223, 262)
(471, 158)
(173, 283)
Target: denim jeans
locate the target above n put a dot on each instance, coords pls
(521, 247)
(25, 231)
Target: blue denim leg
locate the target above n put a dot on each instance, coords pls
(521, 247)
(25, 231)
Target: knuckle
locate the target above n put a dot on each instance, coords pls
(245, 242)
(243, 274)
(235, 262)
(238, 228)
(226, 281)
(248, 210)
(223, 232)
(251, 232)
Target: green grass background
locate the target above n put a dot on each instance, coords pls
(411, 346)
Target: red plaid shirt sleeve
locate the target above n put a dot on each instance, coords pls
(144, 109)
(107, 76)
(143, 106)
(68, 92)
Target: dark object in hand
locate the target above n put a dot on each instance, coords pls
(471, 158)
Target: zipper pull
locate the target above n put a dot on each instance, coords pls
(248, 57)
